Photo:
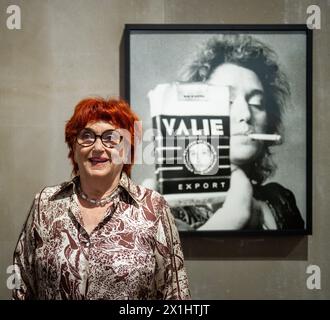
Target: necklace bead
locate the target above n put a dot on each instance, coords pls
(101, 202)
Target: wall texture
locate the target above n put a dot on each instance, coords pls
(67, 50)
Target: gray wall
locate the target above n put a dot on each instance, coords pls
(67, 50)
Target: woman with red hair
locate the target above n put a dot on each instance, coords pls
(100, 236)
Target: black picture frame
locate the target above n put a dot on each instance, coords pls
(154, 52)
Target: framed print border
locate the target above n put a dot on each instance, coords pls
(155, 54)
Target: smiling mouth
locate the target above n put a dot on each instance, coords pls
(96, 161)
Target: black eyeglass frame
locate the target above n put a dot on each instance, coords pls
(99, 136)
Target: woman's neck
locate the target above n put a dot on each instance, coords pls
(98, 187)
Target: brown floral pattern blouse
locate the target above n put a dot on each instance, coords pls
(134, 253)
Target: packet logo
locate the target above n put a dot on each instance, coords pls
(200, 157)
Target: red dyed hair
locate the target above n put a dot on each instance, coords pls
(114, 111)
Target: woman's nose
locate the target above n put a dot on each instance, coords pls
(98, 145)
(240, 110)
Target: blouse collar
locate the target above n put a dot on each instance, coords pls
(125, 182)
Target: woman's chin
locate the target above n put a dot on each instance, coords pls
(245, 154)
(242, 160)
(97, 175)
(104, 172)
(97, 172)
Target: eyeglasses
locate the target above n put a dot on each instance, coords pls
(109, 138)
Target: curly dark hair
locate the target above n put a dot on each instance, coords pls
(248, 52)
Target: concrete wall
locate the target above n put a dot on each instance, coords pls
(67, 50)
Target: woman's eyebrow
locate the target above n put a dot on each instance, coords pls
(255, 92)
(90, 129)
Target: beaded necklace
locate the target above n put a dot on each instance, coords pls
(98, 202)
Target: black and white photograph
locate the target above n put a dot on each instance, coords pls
(226, 118)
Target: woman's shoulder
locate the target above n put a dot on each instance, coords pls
(50, 192)
(153, 204)
(151, 196)
(141, 193)
(283, 204)
(50, 202)
(272, 189)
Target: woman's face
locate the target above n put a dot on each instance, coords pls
(247, 110)
(200, 157)
(98, 160)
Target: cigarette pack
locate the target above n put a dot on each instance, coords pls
(191, 135)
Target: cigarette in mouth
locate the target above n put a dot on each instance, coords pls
(266, 137)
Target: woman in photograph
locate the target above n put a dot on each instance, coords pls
(258, 94)
(200, 157)
(100, 236)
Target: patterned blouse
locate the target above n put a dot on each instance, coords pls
(134, 252)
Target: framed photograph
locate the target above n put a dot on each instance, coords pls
(226, 113)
